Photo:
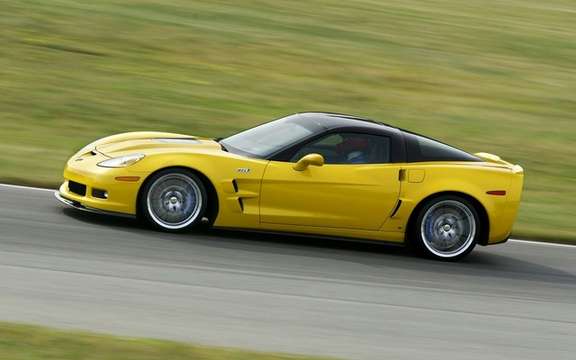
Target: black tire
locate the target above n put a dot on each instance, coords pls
(446, 228)
(173, 200)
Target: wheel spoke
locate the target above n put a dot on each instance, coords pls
(174, 201)
(448, 228)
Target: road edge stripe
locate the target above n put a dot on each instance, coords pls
(22, 187)
(542, 243)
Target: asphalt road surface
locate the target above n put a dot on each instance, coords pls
(66, 269)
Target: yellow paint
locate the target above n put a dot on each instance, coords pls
(338, 196)
(416, 175)
(336, 200)
(308, 160)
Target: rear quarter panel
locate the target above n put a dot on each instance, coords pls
(423, 180)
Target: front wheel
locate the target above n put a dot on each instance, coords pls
(173, 200)
(447, 228)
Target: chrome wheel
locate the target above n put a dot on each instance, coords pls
(174, 201)
(448, 228)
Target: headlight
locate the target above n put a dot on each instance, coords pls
(121, 161)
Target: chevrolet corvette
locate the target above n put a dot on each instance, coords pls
(310, 173)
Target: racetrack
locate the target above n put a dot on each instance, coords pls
(67, 269)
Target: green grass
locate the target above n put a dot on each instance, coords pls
(24, 342)
(494, 76)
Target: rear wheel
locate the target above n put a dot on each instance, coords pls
(447, 228)
(174, 200)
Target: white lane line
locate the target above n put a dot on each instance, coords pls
(542, 243)
(26, 187)
(511, 240)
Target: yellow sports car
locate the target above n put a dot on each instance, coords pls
(312, 173)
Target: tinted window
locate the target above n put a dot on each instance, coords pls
(348, 148)
(421, 148)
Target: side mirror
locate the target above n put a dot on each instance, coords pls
(310, 159)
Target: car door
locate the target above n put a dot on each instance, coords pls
(356, 187)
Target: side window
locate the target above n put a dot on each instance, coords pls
(348, 148)
(421, 148)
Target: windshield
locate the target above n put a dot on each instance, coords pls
(267, 139)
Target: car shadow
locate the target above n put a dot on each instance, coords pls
(234, 238)
(379, 256)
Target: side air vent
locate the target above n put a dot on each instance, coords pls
(235, 184)
(398, 204)
(241, 203)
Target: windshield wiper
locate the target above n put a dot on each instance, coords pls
(221, 145)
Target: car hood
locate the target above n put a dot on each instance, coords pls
(147, 142)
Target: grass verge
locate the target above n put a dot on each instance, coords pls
(25, 342)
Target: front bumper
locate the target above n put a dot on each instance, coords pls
(79, 206)
(121, 195)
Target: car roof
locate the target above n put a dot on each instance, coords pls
(331, 121)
